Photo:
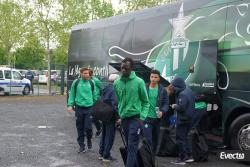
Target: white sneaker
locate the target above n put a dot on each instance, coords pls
(179, 162)
(189, 158)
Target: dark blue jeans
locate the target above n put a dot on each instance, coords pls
(151, 131)
(107, 140)
(182, 139)
(83, 124)
(131, 128)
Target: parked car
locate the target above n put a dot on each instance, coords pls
(43, 76)
(36, 75)
(12, 82)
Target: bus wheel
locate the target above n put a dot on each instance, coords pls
(26, 90)
(239, 133)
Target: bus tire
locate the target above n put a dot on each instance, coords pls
(238, 133)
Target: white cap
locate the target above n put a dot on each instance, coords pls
(113, 77)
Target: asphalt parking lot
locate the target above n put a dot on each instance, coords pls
(37, 131)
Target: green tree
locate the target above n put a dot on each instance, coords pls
(13, 19)
(3, 58)
(71, 12)
(45, 22)
(132, 5)
(76, 12)
(59, 57)
(31, 56)
(100, 9)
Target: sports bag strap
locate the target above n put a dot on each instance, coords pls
(76, 84)
(92, 86)
(122, 136)
(90, 82)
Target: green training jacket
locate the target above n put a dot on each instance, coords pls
(98, 87)
(84, 96)
(132, 96)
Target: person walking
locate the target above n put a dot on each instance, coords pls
(108, 127)
(158, 100)
(184, 107)
(82, 96)
(133, 106)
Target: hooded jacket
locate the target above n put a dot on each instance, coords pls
(132, 97)
(185, 100)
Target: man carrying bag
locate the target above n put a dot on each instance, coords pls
(108, 124)
(82, 96)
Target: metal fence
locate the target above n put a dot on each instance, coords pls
(57, 84)
(40, 82)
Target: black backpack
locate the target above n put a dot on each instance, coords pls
(199, 146)
(102, 111)
(145, 155)
(167, 142)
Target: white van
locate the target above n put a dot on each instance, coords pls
(12, 82)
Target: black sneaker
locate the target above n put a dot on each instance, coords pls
(89, 144)
(179, 162)
(98, 133)
(81, 150)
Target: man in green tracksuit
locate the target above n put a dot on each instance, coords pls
(133, 107)
(83, 96)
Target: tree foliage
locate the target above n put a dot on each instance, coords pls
(13, 19)
(30, 56)
(35, 31)
(101, 9)
(132, 5)
(3, 58)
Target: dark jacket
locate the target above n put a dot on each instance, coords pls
(185, 100)
(29, 75)
(109, 97)
(162, 98)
